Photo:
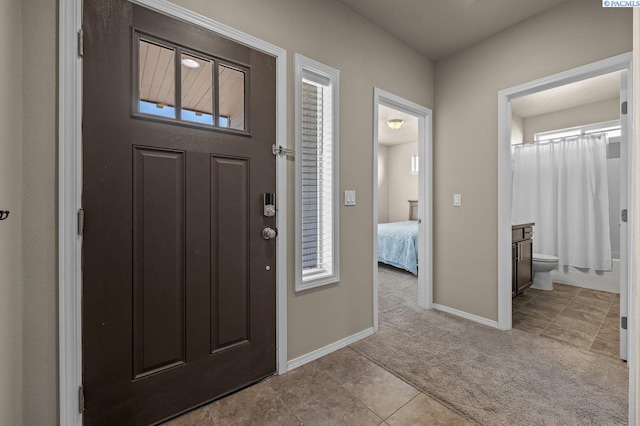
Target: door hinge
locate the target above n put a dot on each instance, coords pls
(80, 42)
(623, 107)
(81, 222)
(623, 215)
(623, 323)
(81, 399)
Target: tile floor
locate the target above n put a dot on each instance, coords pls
(584, 318)
(343, 388)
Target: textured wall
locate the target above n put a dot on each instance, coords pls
(39, 218)
(10, 199)
(403, 186)
(597, 112)
(383, 184)
(466, 85)
(517, 129)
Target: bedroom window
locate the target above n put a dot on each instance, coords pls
(316, 118)
(414, 164)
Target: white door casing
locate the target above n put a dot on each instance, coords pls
(425, 196)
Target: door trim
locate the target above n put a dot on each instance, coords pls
(425, 195)
(615, 63)
(70, 190)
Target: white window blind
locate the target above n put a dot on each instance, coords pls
(317, 260)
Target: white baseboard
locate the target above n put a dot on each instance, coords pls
(466, 315)
(326, 350)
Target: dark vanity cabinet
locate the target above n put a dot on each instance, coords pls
(521, 257)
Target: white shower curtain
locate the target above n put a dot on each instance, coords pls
(562, 187)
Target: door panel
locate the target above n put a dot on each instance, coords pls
(230, 251)
(178, 307)
(158, 260)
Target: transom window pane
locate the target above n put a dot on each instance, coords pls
(189, 86)
(157, 80)
(197, 89)
(231, 82)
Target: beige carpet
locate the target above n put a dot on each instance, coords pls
(494, 377)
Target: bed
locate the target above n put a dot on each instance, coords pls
(398, 245)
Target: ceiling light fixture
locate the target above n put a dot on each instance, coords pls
(395, 124)
(190, 63)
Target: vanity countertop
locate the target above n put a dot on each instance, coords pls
(522, 225)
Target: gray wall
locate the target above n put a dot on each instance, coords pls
(517, 129)
(39, 218)
(403, 186)
(10, 199)
(466, 84)
(597, 112)
(383, 183)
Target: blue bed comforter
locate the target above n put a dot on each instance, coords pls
(398, 245)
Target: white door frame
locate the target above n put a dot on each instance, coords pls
(425, 195)
(616, 63)
(70, 189)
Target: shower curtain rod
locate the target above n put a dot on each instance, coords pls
(563, 138)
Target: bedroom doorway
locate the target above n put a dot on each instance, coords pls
(402, 207)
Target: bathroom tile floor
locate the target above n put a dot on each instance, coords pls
(343, 388)
(581, 317)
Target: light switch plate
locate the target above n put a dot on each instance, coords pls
(457, 200)
(349, 198)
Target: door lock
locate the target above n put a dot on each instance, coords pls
(269, 203)
(269, 233)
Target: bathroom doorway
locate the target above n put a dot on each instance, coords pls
(591, 110)
(402, 200)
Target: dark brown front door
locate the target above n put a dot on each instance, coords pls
(178, 283)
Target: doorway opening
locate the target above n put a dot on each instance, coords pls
(617, 69)
(402, 204)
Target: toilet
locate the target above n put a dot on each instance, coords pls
(543, 264)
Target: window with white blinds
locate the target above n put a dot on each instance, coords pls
(317, 242)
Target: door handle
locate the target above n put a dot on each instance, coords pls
(269, 233)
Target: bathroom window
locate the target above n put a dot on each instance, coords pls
(611, 128)
(317, 221)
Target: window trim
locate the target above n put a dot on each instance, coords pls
(306, 68)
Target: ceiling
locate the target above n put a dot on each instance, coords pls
(407, 133)
(438, 28)
(583, 92)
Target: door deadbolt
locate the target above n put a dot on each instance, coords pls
(269, 233)
(269, 204)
